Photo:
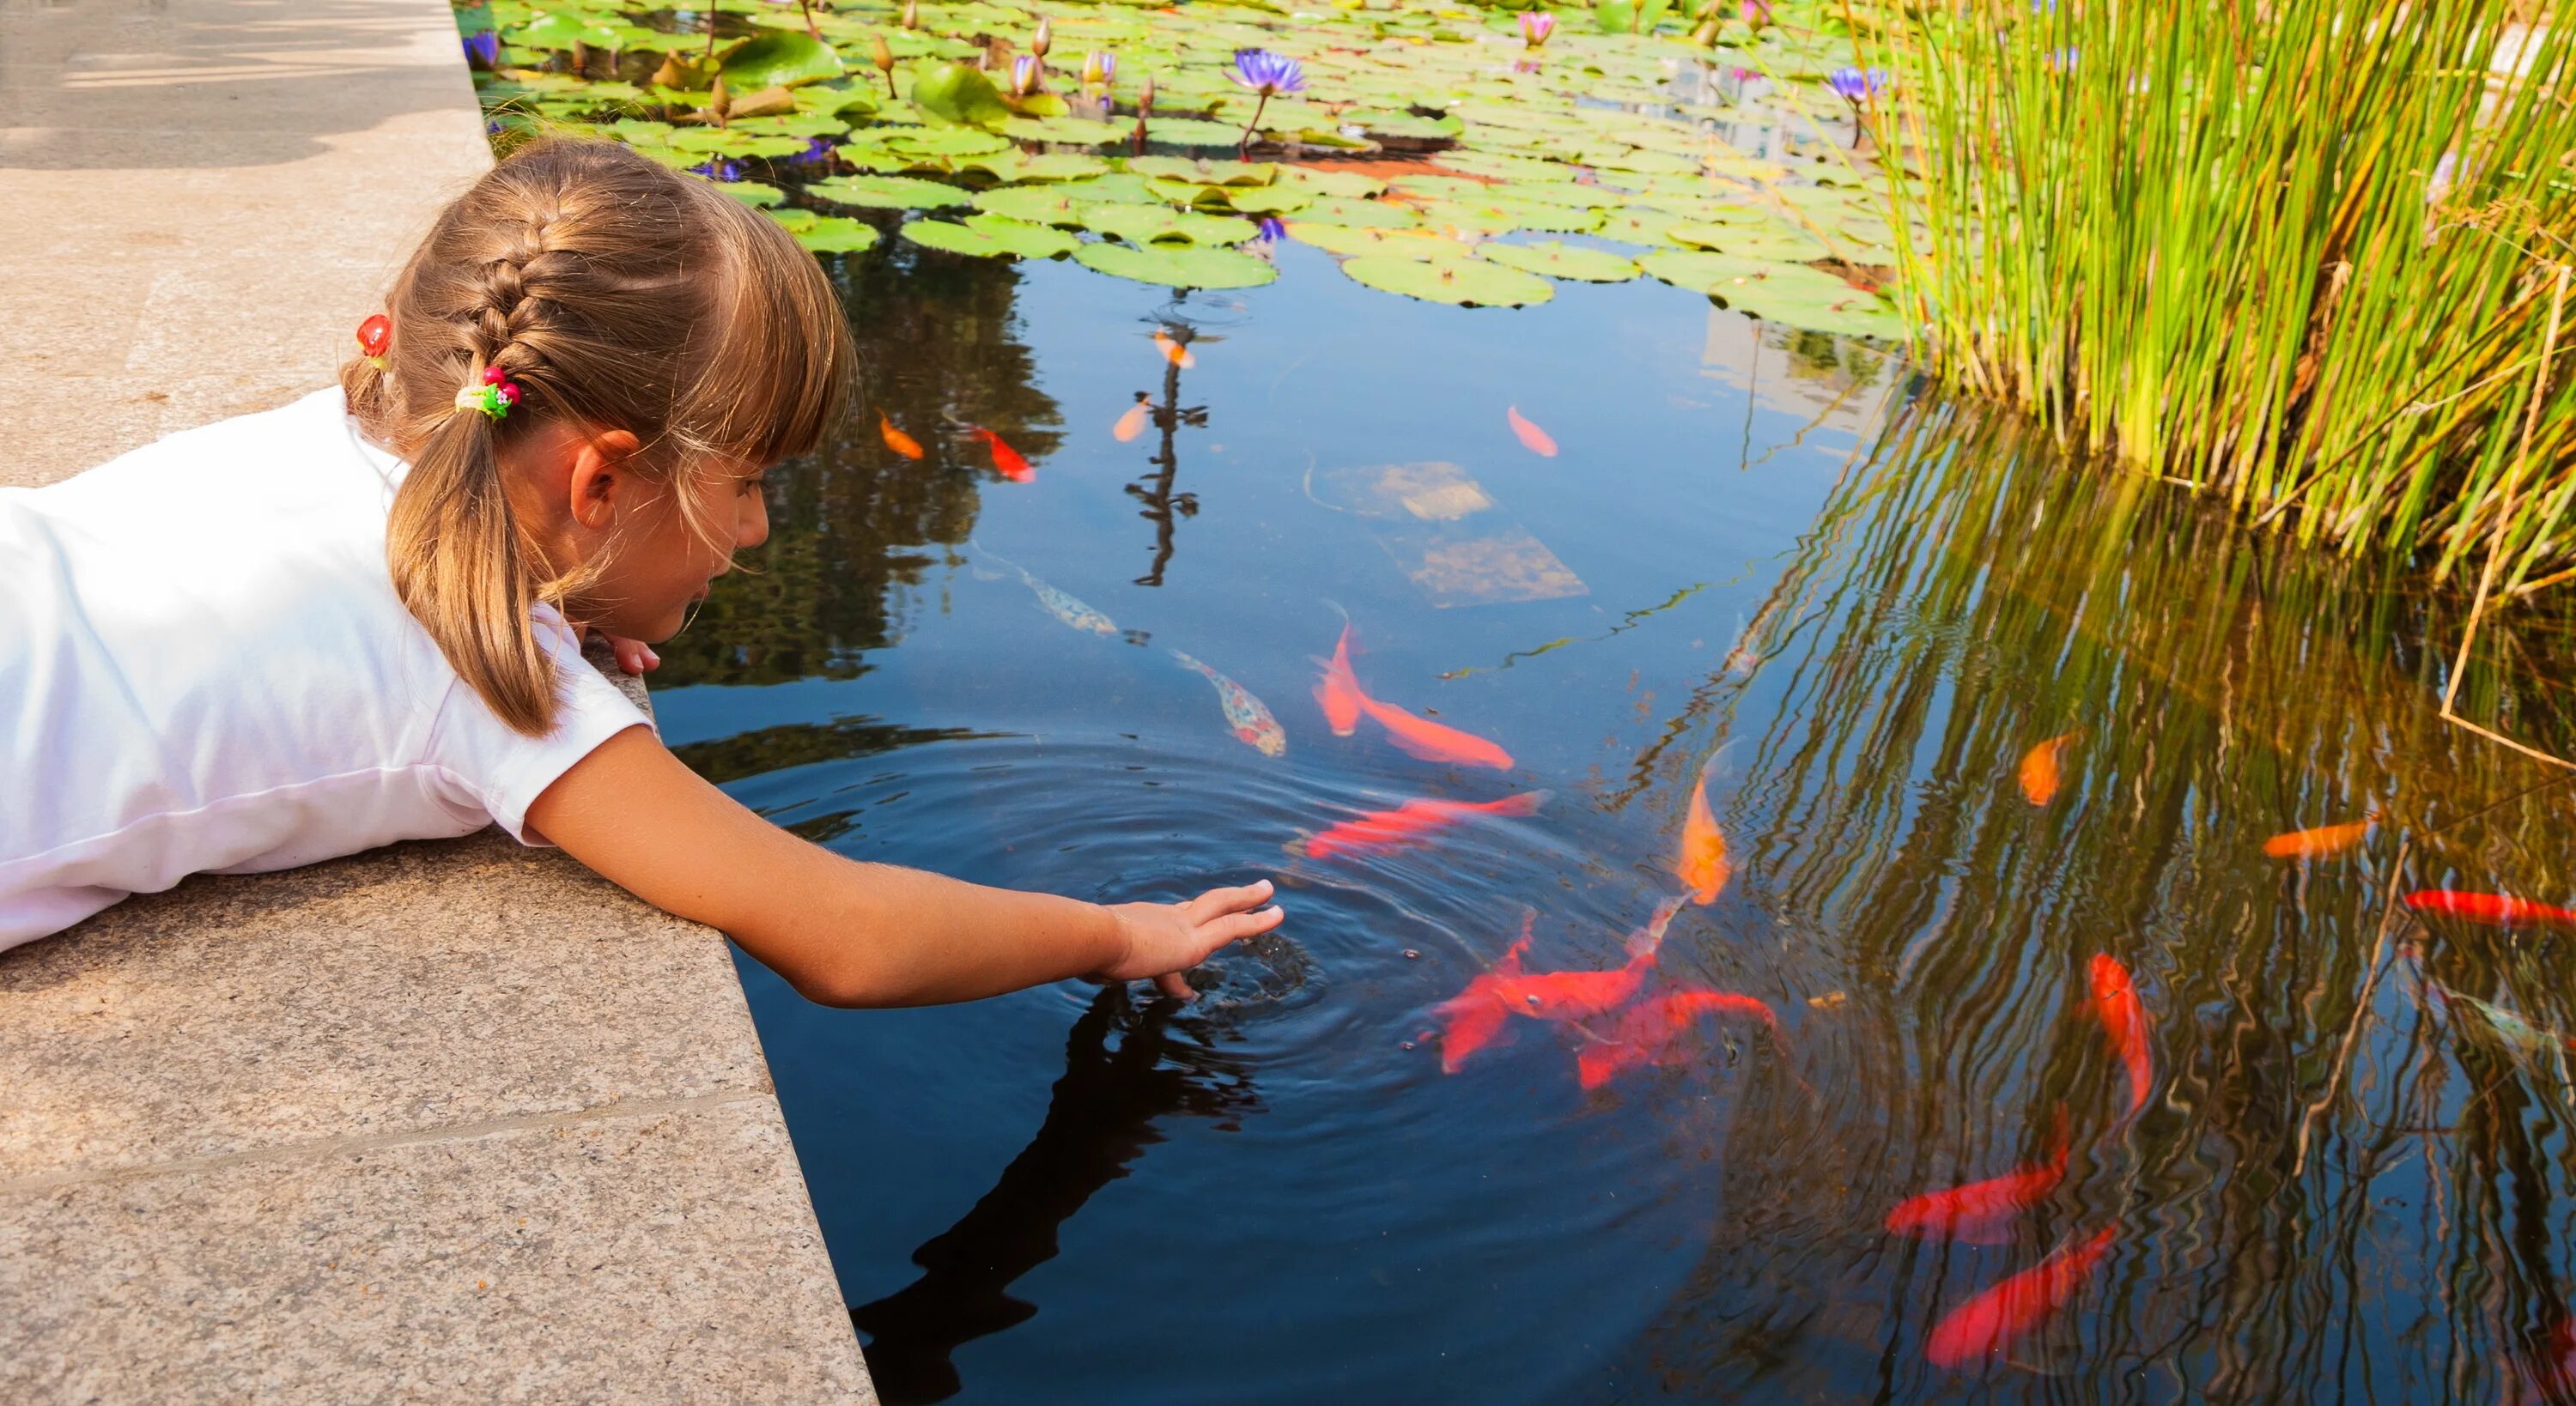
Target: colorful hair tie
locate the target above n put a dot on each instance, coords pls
(494, 397)
(374, 335)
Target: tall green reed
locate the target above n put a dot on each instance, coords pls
(2298, 252)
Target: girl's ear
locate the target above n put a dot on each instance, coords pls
(601, 482)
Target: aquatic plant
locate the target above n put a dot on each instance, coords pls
(1536, 26)
(1269, 75)
(2309, 256)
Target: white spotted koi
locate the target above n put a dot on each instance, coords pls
(1253, 726)
(1057, 603)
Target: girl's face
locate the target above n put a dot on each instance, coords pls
(652, 545)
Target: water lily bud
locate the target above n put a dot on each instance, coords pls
(1024, 75)
(1045, 36)
(1706, 35)
(670, 74)
(719, 101)
(1099, 67)
(911, 14)
(1145, 95)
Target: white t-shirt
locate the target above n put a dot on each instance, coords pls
(204, 667)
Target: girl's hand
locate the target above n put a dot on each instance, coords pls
(634, 656)
(1163, 940)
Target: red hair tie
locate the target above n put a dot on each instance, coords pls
(494, 397)
(374, 335)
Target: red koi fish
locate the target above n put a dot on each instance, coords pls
(1412, 823)
(1702, 865)
(1648, 1031)
(1995, 1319)
(2496, 909)
(2124, 1019)
(1006, 460)
(1982, 1212)
(1475, 1016)
(1339, 691)
(896, 439)
(1532, 438)
(1173, 351)
(1432, 741)
(2319, 842)
(2039, 769)
(1130, 424)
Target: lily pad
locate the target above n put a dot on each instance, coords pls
(1034, 166)
(990, 236)
(1205, 172)
(778, 58)
(1145, 224)
(1402, 244)
(1032, 204)
(1778, 292)
(888, 192)
(1360, 214)
(1192, 131)
(1762, 241)
(1324, 180)
(836, 234)
(1559, 260)
(927, 141)
(1071, 131)
(752, 193)
(953, 92)
(1177, 266)
(1450, 280)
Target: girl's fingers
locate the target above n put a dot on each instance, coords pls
(1216, 903)
(1173, 985)
(1234, 927)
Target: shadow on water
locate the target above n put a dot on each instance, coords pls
(1126, 1068)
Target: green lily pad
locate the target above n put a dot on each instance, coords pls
(1360, 214)
(888, 192)
(778, 58)
(990, 236)
(1450, 280)
(1034, 166)
(1177, 266)
(1071, 131)
(1324, 180)
(1468, 218)
(1762, 241)
(1394, 243)
(927, 141)
(752, 193)
(1636, 226)
(1192, 131)
(1265, 200)
(836, 234)
(1204, 172)
(953, 92)
(1558, 260)
(1146, 224)
(1778, 292)
(1046, 205)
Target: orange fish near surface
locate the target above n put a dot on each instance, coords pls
(1532, 438)
(1982, 1212)
(1006, 460)
(2499, 909)
(2319, 842)
(1412, 823)
(1434, 742)
(1995, 1319)
(2039, 770)
(2124, 1019)
(1646, 1032)
(1702, 865)
(1339, 691)
(896, 439)
(1130, 424)
(1174, 352)
(1475, 1016)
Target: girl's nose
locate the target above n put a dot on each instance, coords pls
(752, 527)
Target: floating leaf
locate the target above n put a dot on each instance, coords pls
(1205, 172)
(836, 234)
(927, 141)
(1325, 181)
(1177, 266)
(1778, 292)
(887, 192)
(1764, 241)
(1072, 131)
(752, 193)
(1360, 214)
(778, 58)
(1558, 260)
(991, 236)
(1191, 131)
(1037, 166)
(1450, 280)
(1032, 204)
(953, 92)
(1406, 244)
(1143, 224)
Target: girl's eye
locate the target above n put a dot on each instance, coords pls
(751, 485)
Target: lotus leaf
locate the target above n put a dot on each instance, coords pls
(1177, 266)
(1581, 197)
(1265, 201)
(559, 32)
(1450, 280)
(836, 234)
(1032, 204)
(1403, 244)
(1191, 131)
(752, 193)
(927, 141)
(887, 192)
(1072, 131)
(1558, 260)
(995, 238)
(1205, 172)
(1039, 166)
(1636, 226)
(1145, 224)
(1765, 241)
(953, 92)
(794, 124)
(1378, 122)
(1479, 218)
(1561, 219)
(1324, 180)
(778, 58)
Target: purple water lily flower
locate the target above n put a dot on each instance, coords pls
(1272, 231)
(1024, 75)
(1536, 26)
(1857, 86)
(1268, 74)
(1100, 67)
(718, 169)
(817, 152)
(483, 50)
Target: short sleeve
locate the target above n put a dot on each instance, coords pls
(506, 770)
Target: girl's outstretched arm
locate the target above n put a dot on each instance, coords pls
(851, 934)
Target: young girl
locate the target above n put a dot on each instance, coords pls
(354, 620)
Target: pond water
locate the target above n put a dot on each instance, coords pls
(1753, 559)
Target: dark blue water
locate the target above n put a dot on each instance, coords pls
(1756, 559)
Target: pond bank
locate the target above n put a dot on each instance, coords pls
(452, 1120)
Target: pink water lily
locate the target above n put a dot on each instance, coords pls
(1536, 26)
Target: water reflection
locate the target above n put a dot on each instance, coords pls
(1169, 415)
(1126, 1068)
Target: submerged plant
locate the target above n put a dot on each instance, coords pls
(1269, 75)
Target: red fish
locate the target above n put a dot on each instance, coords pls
(2319, 842)
(2499, 909)
(1130, 424)
(1476, 1015)
(1175, 352)
(1339, 691)
(1646, 1032)
(896, 439)
(1982, 1212)
(1432, 741)
(1532, 438)
(2124, 1019)
(1412, 823)
(1702, 864)
(1006, 460)
(1993, 1320)
(2039, 769)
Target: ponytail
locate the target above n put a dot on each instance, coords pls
(461, 567)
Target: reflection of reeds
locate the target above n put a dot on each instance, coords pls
(2300, 253)
(1967, 601)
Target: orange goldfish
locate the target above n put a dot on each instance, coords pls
(1006, 460)
(1981, 1213)
(1412, 823)
(896, 439)
(1646, 1031)
(1476, 1015)
(1175, 352)
(1532, 438)
(2039, 775)
(2496, 909)
(1992, 1321)
(2124, 1019)
(1132, 423)
(1339, 691)
(2316, 843)
(1432, 741)
(1702, 864)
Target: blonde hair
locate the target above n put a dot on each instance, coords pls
(617, 294)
